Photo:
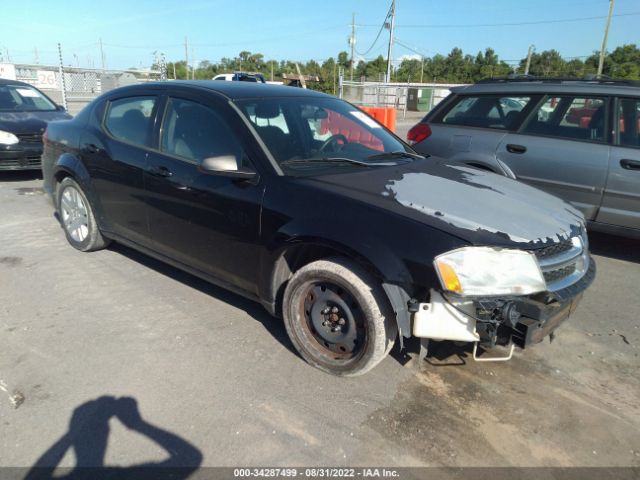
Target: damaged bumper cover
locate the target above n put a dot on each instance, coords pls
(494, 321)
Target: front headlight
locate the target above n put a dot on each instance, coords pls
(477, 271)
(8, 138)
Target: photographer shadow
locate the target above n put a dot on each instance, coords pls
(88, 435)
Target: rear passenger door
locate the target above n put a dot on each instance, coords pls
(469, 131)
(621, 201)
(562, 148)
(114, 149)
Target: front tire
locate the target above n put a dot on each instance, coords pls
(338, 317)
(77, 218)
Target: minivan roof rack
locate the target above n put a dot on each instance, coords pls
(600, 79)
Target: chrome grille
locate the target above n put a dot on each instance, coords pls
(563, 263)
(16, 163)
(30, 138)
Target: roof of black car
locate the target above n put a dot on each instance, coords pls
(239, 90)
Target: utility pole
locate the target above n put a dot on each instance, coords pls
(193, 65)
(421, 67)
(391, 29)
(186, 56)
(102, 57)
(63, 87)
(352, 42)
(271, 62)
(604, 39)
(529, 54)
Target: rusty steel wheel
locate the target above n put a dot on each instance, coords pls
(338, 317)
(334, 320)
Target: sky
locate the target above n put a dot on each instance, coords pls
(301, 30)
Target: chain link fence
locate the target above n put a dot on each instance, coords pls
(417, 97)
(74, 87)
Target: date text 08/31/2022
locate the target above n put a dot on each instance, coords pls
(316, 472)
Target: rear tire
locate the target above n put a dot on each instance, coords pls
(77, 218)
(338, 317)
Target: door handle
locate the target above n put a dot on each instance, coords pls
(91, 148)
(630, 164)
(513, 148)
(160, 172)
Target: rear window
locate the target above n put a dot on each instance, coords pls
(128, 119)
(487, 111)
(571, 117)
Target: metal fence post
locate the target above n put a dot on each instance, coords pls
(62, 83)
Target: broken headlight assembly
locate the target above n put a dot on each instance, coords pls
(487, 271)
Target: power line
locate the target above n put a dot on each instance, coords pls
(515, 24)
(384, 22)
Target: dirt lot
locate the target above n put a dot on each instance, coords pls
(215, 378)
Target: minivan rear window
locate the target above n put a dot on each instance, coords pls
(487, 111)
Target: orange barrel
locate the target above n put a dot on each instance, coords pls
(386, 116)
(390, 121)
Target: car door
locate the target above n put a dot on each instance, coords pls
(208, 221)
(621, 201)
(114, 150)
(563, 148)
(469, 128)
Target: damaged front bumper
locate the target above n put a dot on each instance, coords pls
(498, 321)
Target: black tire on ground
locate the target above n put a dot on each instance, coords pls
(77, 218)
(338, 293)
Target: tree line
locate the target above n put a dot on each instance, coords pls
(456, 67)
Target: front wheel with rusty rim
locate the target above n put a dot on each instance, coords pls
(338, 317)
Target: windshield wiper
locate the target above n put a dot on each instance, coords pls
(350, 161)
(396, 154)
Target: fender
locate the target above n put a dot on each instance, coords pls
(70, 165)
(395, 277)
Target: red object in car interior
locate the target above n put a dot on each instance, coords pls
(418, 133)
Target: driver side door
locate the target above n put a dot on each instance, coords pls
(207, 221)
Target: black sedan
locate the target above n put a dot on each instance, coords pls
(304, 203)
(24, 114)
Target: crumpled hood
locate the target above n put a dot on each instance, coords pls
(29, 122)
(477, 206)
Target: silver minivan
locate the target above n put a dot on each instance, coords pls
(578, 140)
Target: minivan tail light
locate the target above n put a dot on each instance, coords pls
(418, 133)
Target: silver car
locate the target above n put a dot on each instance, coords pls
(578, 140)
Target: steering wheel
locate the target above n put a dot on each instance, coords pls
(333, 141)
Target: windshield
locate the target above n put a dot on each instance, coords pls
(22, 98)
(316, 132)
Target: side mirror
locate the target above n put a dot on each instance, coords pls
(60, 108)
(227, 166)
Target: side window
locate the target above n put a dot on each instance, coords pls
(195, 132)
(628, 123)
(488, 111)
(128, 118)
(577, 118)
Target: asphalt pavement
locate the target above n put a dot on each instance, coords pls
(146, 364)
